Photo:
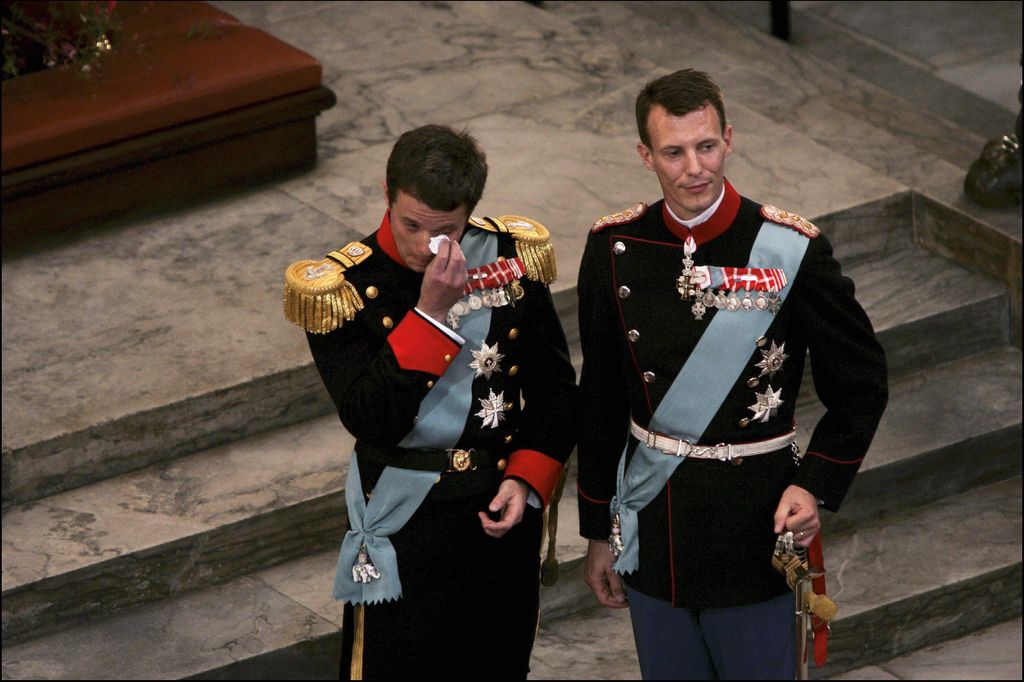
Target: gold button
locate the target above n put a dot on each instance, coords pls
(508, 438)
(745, 422)
(502, 464)
(633, 335)
(501, 258)
(753, 382)
(437, 480)
(513, 370)
(624, 292)
(430, 384)
(618, 248)
(762, 342)
(508, 406)
(371, 292)
(387, 322)
(649, 377)
(447, 357)
(513, 334)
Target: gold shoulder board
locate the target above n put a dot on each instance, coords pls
(621, 217)
(801, 225)
(533, 243)
(316, 295)
(533, 246)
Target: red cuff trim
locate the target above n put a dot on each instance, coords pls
(836, 461)
(537, 469)
(420, 346)
(588, 498)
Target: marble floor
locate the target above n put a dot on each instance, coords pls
(598, 644)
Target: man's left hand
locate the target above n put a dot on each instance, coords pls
(798, 512)
(509, 503)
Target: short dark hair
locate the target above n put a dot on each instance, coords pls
(680, 93)
(441, 167)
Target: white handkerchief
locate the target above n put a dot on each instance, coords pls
(435, 242)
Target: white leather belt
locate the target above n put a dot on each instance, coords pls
(725, 452)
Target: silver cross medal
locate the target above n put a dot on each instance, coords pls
(686, 284)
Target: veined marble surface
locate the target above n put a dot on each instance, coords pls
(175, 308)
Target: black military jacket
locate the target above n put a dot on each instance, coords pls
(382, 364)
(707, 538)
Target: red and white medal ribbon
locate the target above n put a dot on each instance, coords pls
(753, 279)
(494, 275)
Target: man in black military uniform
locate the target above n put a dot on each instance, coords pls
(696, 314)
(437, 339)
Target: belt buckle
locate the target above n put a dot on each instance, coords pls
(460, 460)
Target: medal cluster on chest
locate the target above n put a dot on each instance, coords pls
(731, 290)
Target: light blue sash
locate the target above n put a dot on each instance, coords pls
(400, 492)
(700, 388)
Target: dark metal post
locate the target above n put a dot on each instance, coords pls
(780, 19)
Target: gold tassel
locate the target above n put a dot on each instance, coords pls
(316, 296)
(356, 666)
(539, 261)
(533, 246)
(549, 567)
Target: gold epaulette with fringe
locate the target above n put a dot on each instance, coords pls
(801, 225)
(316, 295)
(533, 244)
(628, 215)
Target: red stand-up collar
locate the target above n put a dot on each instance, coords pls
(387, 240)
(718, 223)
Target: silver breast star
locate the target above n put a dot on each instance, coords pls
(493, 411)
(767, 404)
(485, 360)
(772, 360)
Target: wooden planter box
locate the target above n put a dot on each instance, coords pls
(189, 104)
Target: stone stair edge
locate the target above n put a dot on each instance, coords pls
(218, 462)
(281, 398)
(986, 116)
(199, 557)
(883, 622)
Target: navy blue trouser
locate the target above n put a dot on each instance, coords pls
(742, 642)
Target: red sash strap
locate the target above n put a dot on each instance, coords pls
(816, 563)
(757, 279)
(494, 275)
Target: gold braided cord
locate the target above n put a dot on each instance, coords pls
(539, 260)
(317, 298)
(533, 245)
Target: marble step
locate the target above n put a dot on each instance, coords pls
(916, 326)
(159, 337)
(944, 431)
(218, 514)
(175, 526)
(825, 32)
(926, 310)
(281, 623)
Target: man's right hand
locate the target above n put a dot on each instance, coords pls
(602, 579)
(443, 281)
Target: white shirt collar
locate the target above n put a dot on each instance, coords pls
(694, 222)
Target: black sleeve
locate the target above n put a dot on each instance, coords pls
(849, 370)
(377, 399)
(604, 402)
